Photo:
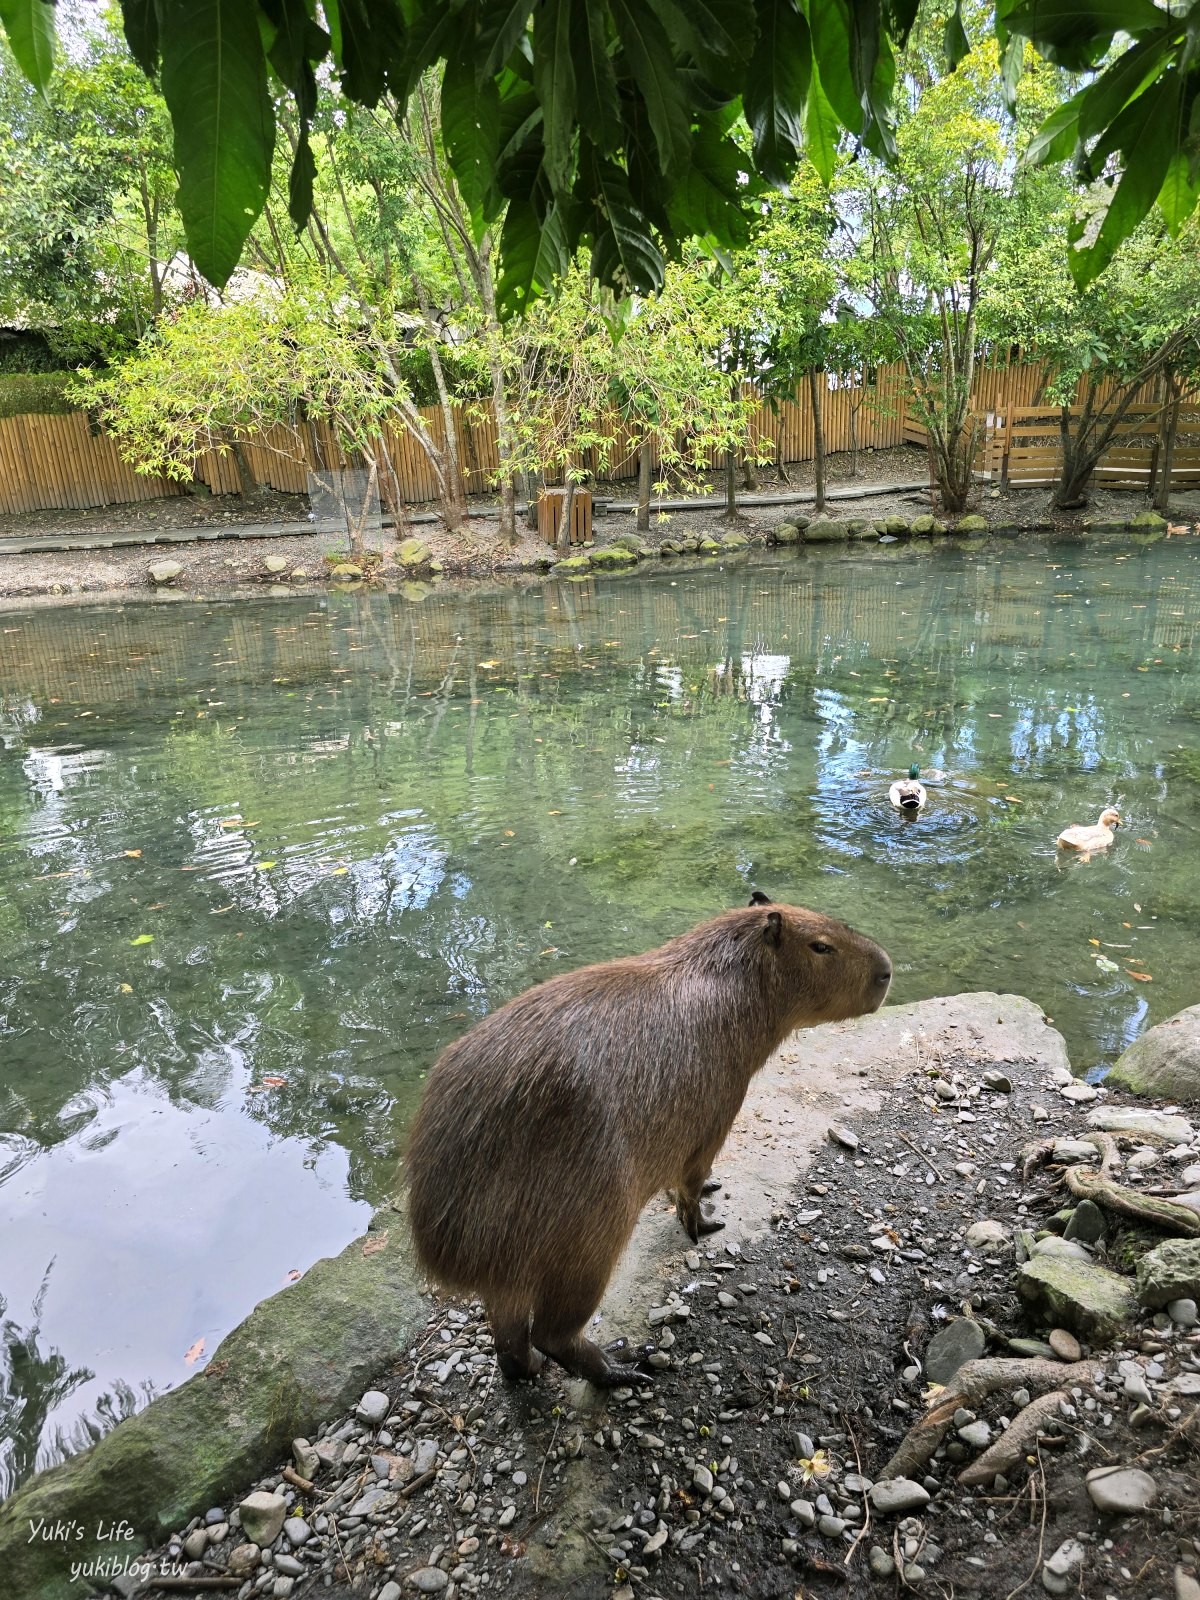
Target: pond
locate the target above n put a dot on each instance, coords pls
(260, 859)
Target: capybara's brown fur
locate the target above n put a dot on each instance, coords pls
(547, 1127)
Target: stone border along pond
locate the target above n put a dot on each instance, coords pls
(932, 1175)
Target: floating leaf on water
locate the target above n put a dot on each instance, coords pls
(273, 1081)
(264, 866)
(143, 938)
(1096, 942)
(1142, 977)
(336, 872)
(136, 854)
(1103, 964)
(193, 1353)
(126, 988)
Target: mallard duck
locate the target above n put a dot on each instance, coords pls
(906, 794)
(1097, 838)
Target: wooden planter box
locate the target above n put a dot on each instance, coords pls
(552, 504)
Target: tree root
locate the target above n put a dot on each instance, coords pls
(1097, 1185)
(971, 1384)
(1014, 1441)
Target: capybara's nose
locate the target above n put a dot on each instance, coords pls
(883, 973)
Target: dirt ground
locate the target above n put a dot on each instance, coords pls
(212, 563)
(789, 1368)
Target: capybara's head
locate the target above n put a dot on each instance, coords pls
(832, 971)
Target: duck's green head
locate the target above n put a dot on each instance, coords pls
(914, 771)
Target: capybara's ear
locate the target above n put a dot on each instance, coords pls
(758, 898)
(774, 926)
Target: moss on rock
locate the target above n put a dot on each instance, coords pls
(570, 565)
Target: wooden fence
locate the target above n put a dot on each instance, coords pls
(57, 462)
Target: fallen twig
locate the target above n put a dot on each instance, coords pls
(537, 1493)
(297, 1482)
(916, 1149)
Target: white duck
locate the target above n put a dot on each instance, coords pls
(906, 794)
(1099, 837)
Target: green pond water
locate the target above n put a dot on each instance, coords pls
(260, 859)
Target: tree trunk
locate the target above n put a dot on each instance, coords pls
(814, 390)
(854, 441)
(564, 527)
(1162, 499)
(508, 500)
(731, 484)
(245, 476)
(749, 477)
(530, 490)
(454, 499)
(645, 481)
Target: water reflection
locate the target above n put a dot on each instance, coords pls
(258, 862)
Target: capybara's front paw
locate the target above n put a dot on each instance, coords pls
(709, 1224)
(619, 1374)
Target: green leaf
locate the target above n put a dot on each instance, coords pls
(502, 26)
(214, 79)
(1077, 36)
(471, 133)
(596, 82)
(821, 129)
(717, 34)
(776, 88)
(957, 45)
(29, 25)
(1147, 132)
(1012, 65)
(554, 80)
(647, 53)
(1100, 102)
(140, 18)
(1178, 195)
(297, 44)
(708, 202)
(533, 253)
(831, 58)
(1057, 137)
(357, 37)
(625, 257)
(300, 182)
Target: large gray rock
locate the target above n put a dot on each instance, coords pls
(896, 1495)
(1169, 1272)
(1088, 1300)
(301, 1356)
(1165, 1062)
(165, 571)
(262, 1517)
(825, 530)
(1124, 1119)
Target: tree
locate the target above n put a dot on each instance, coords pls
(604, 123)
(210, 376)
(1136, 326)
(934, 221)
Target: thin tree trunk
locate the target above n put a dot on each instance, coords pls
(508, 499)
(245, 476)
(564, 527)
(455, 499)
(814, 390)
(645, 481)
(731, 483)
(749, 477)
(1171, 426)
(854, 441)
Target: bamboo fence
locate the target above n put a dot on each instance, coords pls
(65, 462)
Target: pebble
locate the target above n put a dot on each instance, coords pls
(1060, 1571)
(424, 1456)
(998, 1081)
(1183, 1313)
(894, 1496)
(262, 1516)
(1068, 1151)
(831, 1527)
(373, 1408)
(804, 1512)
(1186, 1586)
(844, 1136)
(880, 1563)
(964, 1340)
(976, 1434)
(390, 1591)
(289, 1566)
(986, 1233)
(1065, 1345)
(196, 1544)
(702, 1478)
(1087, 1223)
(243, 1559)
(429, 1580)
(308, 1462)
(1121, 1491)
(1080, 1094)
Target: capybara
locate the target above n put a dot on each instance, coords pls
(547, 1127)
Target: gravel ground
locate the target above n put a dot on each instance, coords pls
(216, 564)
(786, 1375)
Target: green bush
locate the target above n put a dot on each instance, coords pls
(21, 392)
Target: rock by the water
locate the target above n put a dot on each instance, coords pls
(787, 533)
(1149, 522)
(1088, 1300)
(633, 542)
(894, 1496)
(413, 553)
(1121, 1491)
(825, 530)
(1164, 1063)
(1087, 1223)
(1183, 1313)
(922, 524)
(569, 566)
(1060, 1572)
(1067, 1249)
(610, 558)
(165, 571)
(275, 563)
(1080, 1094)
(1161, 1124)
(734, 541)
(971, 524)
(1065, 1345)
(262, 1517)
(346, 569)
(1171, 1271)
(964, 1340)
(709, 547)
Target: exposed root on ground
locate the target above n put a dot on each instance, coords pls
(971, 1384)
(1097, 1185)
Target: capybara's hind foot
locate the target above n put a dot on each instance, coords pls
(515, 1354)
(708, 1224)
(696, 1223)
(710, 1186)
(584, 1359)
(516, 1368)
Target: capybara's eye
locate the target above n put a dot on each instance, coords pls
(821, 949)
